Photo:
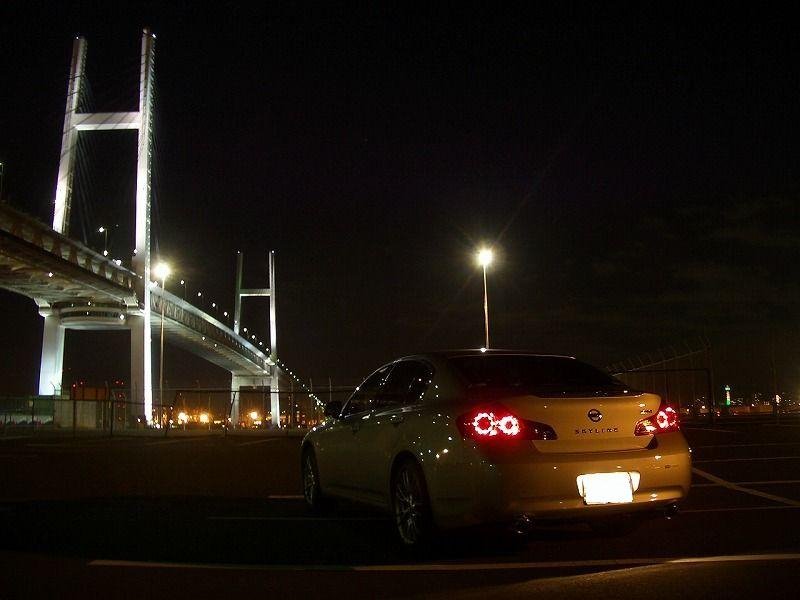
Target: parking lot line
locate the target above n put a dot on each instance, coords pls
(450, 567)
(171, 441)
(738, 509)
(332, 519)
(709, 429)
(745, 490)
(252, 442)
(747, 445)
(751, 459)
(774, 482)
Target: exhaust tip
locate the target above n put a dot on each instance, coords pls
(671, 510)
(523, 525)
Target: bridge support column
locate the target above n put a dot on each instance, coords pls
(141, 365)
(52, 364)
(275, 398)
(251, 383)
(236, 385)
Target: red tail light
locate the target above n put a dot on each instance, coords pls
(496, 423)
(664, 421)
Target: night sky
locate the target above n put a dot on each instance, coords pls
(637, 178)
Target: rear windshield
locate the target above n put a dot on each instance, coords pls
(541, 375)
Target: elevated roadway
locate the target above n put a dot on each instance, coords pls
(87, 290)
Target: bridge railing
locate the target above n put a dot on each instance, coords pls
(40, 235)
(212, 330)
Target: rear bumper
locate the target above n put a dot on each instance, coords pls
(544, 486)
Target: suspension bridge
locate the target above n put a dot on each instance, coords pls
(76, 287)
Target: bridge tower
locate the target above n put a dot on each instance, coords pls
(50, 374)
(239, 380)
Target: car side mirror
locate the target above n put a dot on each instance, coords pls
(333, 408)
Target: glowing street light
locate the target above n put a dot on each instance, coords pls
(104, 231)
(162, 271)
(485, 257)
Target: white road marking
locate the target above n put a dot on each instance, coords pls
(747, 445)
(43, 445)
(451, 567)
(738, 558)
(332, 519)
(258, 441)
(738, 488)
(740, 509)
(709, 429)
(752, 459)
(171, 441)
(774, 482)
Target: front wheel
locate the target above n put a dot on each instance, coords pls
(311, 489)
(411, 505)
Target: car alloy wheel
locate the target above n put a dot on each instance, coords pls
(311, 491)
(410, 504)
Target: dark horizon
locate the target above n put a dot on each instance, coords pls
(637, 179)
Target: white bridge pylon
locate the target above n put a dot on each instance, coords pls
(137, 315)
(50, 374)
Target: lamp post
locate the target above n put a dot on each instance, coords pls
(162, 271)
(484, 260)
(104, 231)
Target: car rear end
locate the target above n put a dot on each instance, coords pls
(550, 437)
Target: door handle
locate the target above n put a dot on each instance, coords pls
(396, 419)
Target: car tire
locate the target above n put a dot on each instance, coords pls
(411, 508)
(312, 492)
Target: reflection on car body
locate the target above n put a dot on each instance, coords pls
(466, 437)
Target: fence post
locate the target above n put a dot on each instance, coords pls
(111, 412)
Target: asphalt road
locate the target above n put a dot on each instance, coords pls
(203, 516)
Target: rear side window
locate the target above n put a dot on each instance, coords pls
(366, 394)
(406, 384)
(543, 375)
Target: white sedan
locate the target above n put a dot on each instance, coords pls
(457, 438)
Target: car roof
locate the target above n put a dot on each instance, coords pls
(445, 354)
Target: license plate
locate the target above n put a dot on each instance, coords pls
(606, 488)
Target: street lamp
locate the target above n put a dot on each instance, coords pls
(485, 257)
(162, 271)
(104, 231)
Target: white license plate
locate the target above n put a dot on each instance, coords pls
(606, 488)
